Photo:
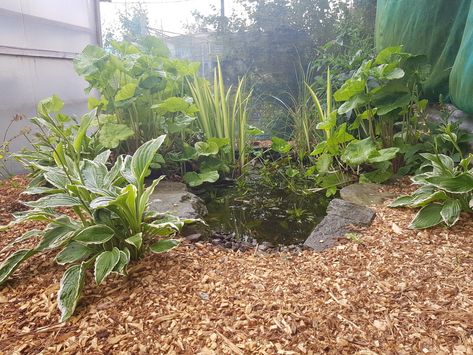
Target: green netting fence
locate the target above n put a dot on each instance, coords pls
(440, 29)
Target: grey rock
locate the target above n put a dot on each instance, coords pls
(365, 194)
(173, 197)
(340, 215)
(193, 238)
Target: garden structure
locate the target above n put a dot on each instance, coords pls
(176, 217)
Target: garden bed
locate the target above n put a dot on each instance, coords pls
(387, 290)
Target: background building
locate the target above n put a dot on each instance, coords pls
(37, 46)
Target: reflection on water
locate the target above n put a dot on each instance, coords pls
(265, 214)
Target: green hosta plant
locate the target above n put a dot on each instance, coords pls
(53, 129)
(445, 191)
(113, 225)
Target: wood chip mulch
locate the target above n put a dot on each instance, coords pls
(392, 291)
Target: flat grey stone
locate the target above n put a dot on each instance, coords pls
(340, 215)
(173, 197)
(365, 194)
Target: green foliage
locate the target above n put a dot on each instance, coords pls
(223, 114)
(445, 191)
(112, 225)
(383, 91)
(143, 92)
(58, 140)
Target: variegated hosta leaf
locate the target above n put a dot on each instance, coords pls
(30, 234)
(451, 212)
(105, 263)
(459, 184)
(164, 245)
(103, 157)
(123, 262)
(427, 217)
(143, 157)
(53, 201)
(135, 240)
(160, 230)
(58, 232)
(12, 263)
(73, 252)
(96, 234)
(93, 174)
(143, 204)
(70, 289)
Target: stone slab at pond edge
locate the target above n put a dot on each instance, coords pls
(340, 215)
(173, 197)
(365, 194)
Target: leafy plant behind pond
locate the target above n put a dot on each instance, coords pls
(143, 92)
(112, 225)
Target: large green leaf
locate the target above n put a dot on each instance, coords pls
(126, 92)
(350, 88)
(164, 245)
(193, 178)
(377, 176)
(459, 184)
(382, 155)
(351, 104)
(12, 263)
(96, 234)
(70, 289)
(143, 157)
(105, 263)
(280, 145)
(90, 60)
(206, 149)
(111, 134)
(73, 252)
(389, 104)
(451, 212)
(175, 104)
(49, 105)
(358, 152)
(385, 55)
(427, 217)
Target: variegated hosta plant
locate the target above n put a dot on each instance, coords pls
(445, 191)
(113, 224)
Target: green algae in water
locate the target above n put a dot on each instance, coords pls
(279, 216)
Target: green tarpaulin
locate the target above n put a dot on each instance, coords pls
(440, 29)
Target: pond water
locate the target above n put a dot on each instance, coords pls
(264, 213)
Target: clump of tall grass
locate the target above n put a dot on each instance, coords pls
(223, 113)
(300, 110)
